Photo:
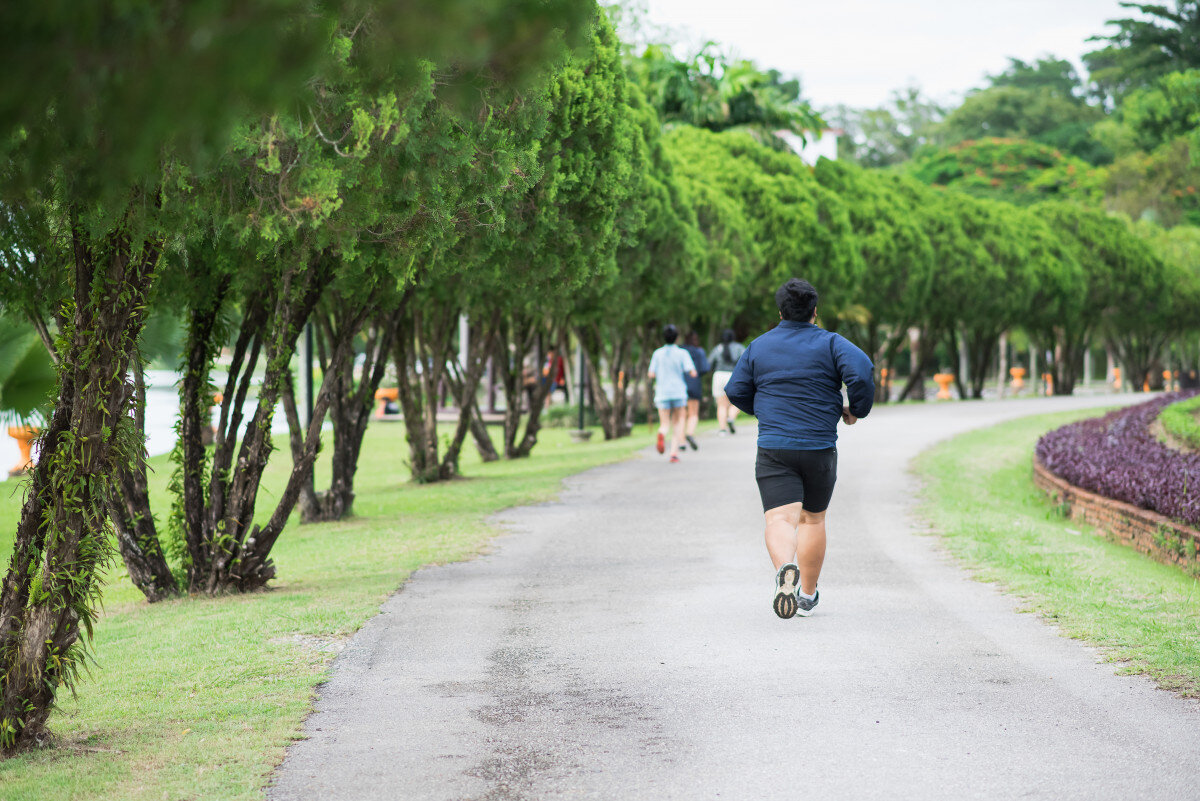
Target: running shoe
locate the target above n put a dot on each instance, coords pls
(786, 582)
(661, 445)
(691, 441)
(805, 607)
(732, 430)
(674, 458)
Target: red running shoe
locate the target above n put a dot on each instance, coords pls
(674, 458)
(661, 444)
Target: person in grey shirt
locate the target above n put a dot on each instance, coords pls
(724, 358)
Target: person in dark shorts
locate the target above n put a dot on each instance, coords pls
(694, 389)
(791, 379)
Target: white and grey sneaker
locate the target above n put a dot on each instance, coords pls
(787, 581)
(805, 606)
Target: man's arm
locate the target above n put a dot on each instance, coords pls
(740, 388)
(857, 373)
(689, 364)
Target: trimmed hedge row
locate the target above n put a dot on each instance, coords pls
(1118, 457)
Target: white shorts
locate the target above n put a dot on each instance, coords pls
(720, 379)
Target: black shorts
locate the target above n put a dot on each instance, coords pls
(787, 476)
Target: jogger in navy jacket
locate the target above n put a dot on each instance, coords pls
(791, 379)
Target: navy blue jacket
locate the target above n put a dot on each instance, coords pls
(791, 379)
(700, 359)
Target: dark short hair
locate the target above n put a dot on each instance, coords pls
(797, 300)
(670, 334)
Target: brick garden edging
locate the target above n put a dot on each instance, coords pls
(1148, 532)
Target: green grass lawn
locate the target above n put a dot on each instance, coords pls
(197, 698)
(1138, 611)
(1182, 422)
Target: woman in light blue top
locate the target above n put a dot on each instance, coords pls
(669, 367)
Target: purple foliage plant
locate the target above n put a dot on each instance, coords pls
(1118, 457)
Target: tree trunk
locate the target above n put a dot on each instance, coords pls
(517, 336)
(611, 412)
(129, 509)
(479, 432)
(51, 588)
(981, 346)
(423, 344)
(959, 382)
(226, 551)
(465, 383)
(923, 348)
(350, 408)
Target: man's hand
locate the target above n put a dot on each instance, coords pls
(848, 418)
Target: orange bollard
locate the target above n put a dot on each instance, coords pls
(24, 436)
(1167, 383)
(943, 381)
(1117, 379)
(1018, 377)
(1049, 379)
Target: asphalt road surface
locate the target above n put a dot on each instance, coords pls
(620, 644)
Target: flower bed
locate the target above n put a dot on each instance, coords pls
(1118, 457)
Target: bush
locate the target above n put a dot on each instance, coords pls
(1118, 457)
(1181, 422)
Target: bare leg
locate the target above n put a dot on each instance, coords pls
(693, 416)
(733, 412)
(678, 422)
(781, 532)
(795, 535)
(810, 549)
(722, 410)
(664, 421)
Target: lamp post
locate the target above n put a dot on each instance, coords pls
(580, 357)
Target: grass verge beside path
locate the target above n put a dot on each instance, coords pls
(197, 698)
(1138, 611)
(1181, 421)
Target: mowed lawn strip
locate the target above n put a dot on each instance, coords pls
(1181, 422)
(197, 698)
(980, 499)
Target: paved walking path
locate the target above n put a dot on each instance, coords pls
(620, 644)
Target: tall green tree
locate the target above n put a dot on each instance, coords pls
(1162, 39)
(897, 258)
(1016, 170)
(713, 91)
(800, 227)
(1166, 110)
(1112, 296)
(94, 99)
(1055, 74)
(564, 231)
(1042, 114)
(889, 134)
(657, 279)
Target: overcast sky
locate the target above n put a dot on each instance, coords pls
(857, 51)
